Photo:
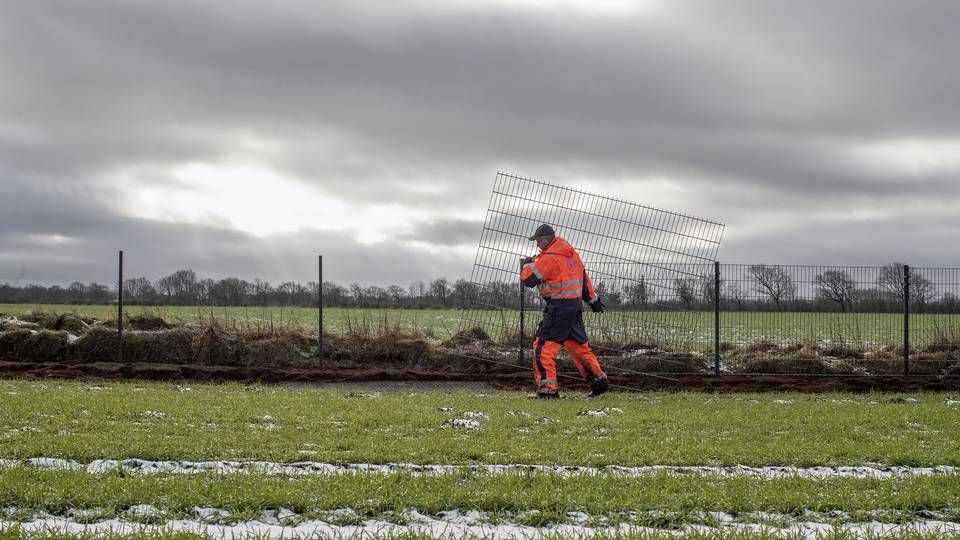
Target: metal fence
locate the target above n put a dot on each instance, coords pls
(811, 319)
(610, 235)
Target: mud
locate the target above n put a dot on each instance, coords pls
(505, 378)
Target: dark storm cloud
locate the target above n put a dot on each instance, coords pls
(741, 106)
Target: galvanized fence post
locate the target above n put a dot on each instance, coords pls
(120, 307)
(716, 317)
(906, 319)
(523, 294)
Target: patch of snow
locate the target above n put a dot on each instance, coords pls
(140, 466)
(606, 411)
(476, 415)
(54, 463)
(143, 510)
(371, 395)
(578, 518)
(153, 414)
(950, 401)
(782, 401)
(86, 514)
(463, 423)
(446, 409)
(71, 339)
(469, 524)
(210, 514)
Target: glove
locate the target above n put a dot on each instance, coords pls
(526, 260)
(597, 306)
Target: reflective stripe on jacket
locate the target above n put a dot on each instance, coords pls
(558, 273)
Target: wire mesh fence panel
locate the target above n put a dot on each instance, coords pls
(655, 305)
(824, 306)
(637, 256)
(934, 295)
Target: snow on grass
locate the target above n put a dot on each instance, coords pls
(301, 468)
(284, 523)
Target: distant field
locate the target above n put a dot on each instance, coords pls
(695, 329)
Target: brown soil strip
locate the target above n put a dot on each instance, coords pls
(502, 379)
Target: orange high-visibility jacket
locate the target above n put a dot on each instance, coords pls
(558, 273)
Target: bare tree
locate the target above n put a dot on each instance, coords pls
(708, 288)
(773, 282)
(357, 292)
(165, 287)
(891, 280)
(396, 293)
(637, 294)
(288, 291)
(333, 294)
(734, 291)
(837, 286)
(440, 289)
(418, 289)
(261, 291)
(464, 292)
(921, 289)
(139, 290)
(98, 293)
(377, 295)
(685, 287)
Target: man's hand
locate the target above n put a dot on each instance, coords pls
(597, 306)
(526, 260)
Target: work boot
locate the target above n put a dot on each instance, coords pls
(599, 386)
(548, 395)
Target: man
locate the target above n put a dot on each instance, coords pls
(563, 283)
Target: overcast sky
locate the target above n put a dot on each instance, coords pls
(243, 138)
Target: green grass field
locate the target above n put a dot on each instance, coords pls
(86, 421)
(693, 329)
(158, 421)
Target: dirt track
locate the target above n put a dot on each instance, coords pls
(504, 379)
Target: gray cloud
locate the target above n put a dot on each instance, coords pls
(726, 110)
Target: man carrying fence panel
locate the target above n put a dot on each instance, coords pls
(562, 281)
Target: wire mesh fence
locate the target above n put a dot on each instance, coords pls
(851, 306)
(624, 246)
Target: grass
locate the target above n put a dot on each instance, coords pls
(530, 499)
(86, 421)
(81, 421)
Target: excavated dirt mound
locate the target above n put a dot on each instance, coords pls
(65, 345)
(506, 379)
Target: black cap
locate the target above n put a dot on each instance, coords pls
(543, 231)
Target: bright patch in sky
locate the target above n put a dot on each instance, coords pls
(910, 156)
(258, 201)
(588, 6)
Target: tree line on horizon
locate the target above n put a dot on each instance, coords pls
(755, 288)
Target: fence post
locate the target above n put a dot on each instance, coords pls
(120, 307)
(716, 317)
(320, 310)
(906, 319)
(523, 294)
